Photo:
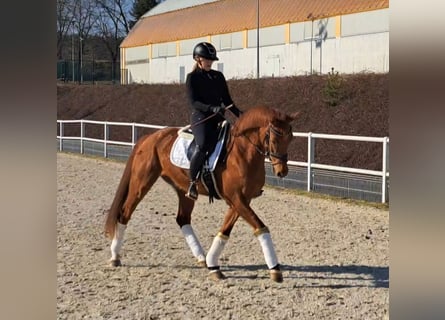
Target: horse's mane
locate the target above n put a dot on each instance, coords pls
(258, 117)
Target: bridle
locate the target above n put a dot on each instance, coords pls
(280, 158)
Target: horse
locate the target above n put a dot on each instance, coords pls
(258, 133)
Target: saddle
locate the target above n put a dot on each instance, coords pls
(182, 151)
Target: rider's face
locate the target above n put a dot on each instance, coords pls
(205, 64)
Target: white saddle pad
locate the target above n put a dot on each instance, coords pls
(178, 153)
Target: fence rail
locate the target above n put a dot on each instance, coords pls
(310, 166)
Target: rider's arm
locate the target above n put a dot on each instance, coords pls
(227, 99)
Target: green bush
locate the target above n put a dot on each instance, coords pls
(333, 90)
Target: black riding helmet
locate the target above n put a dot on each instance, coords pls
(205, 50)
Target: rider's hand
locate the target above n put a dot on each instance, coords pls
(216, 109)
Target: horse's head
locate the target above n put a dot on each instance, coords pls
(275, 134)
(278, 136)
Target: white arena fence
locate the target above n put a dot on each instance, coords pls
(345, 182)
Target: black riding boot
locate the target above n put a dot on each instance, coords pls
(196, 162)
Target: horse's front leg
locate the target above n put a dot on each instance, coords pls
(263, 235)
(212, 258)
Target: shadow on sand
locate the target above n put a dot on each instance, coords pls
(334, 276)
(328, 276)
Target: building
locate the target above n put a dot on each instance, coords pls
(296, 37)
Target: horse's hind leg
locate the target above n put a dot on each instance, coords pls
(183, 219)
(140, 184)
(116, 245)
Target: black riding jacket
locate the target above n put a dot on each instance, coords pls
(206, 89)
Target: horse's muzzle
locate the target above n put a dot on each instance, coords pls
(281, 170)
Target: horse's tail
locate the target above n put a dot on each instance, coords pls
(119, 198)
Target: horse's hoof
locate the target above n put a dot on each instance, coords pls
(276, 275)
(115, 263)
(202, 263)
(217, 275)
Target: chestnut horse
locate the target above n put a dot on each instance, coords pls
(260, 132)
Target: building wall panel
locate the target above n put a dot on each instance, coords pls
(268, 36)
(365, 22)
(138, 73)
(137, 53)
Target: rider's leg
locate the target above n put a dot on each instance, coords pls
(196, 163)
(205, 134)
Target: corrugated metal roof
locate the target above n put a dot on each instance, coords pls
(172, 5)
(235, 15)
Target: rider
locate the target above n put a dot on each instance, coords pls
(208, 95)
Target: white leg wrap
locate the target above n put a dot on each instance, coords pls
(118, 240)
(193, 242)
(215, 250)
(268, 249)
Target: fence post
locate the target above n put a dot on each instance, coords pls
(61, 137)
(82, 135)
(310, 159)
(106, 137)
(384, 168)
(134, 134)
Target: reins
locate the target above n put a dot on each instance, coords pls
(282, 158)
(204, 120)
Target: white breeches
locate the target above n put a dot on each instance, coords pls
(118, 240)
(215, 250)
(193, 242)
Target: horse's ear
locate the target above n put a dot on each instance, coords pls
(293, 116)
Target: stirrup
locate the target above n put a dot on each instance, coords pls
(192, 192)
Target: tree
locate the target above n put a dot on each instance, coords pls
(83, 24)
(140, 7)
(112, 26)
(65, 23)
